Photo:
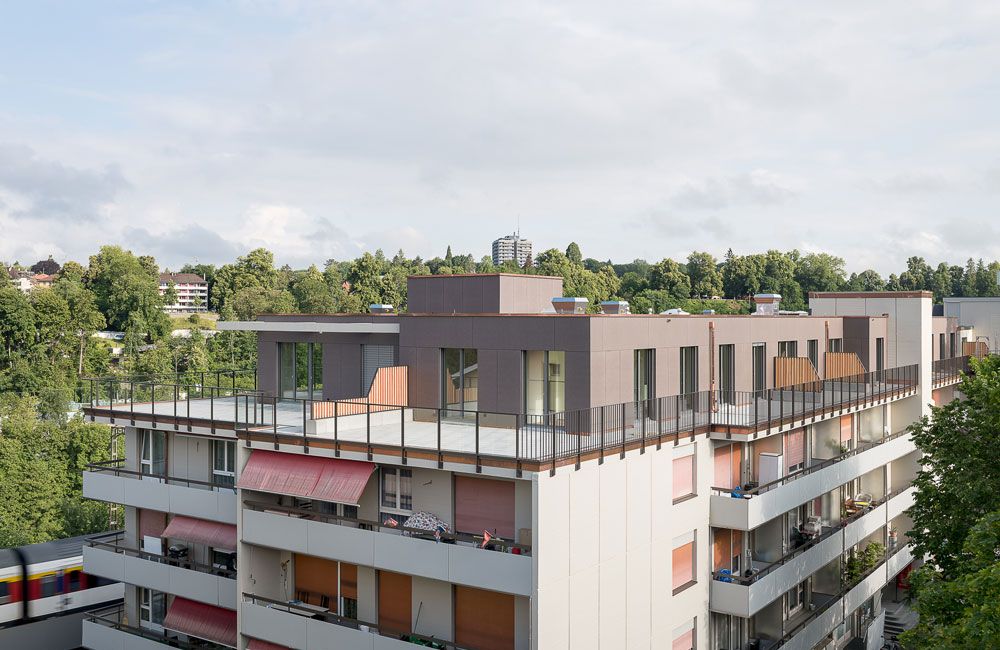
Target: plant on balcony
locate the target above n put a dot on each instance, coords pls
(861, 562)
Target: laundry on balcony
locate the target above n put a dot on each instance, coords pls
(312, 477)
(199, 531)
(202, 621)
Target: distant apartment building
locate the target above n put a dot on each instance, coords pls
(191, 291)
(511, 247)
(481, 473)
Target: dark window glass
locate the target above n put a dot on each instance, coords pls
(813, 346)
(759, 367)
(879, 354)
(788, 348)
(727, 373)
(689, 374)
(645, 373)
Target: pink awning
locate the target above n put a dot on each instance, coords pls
(199, 531)
(257, 644)
(203, 621)
(310, 477)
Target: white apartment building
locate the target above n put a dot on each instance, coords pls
(479, 478)
(511, 247)
(191, 291)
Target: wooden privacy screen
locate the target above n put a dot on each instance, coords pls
(484, 619)
(843, 364)
(978, 349)
(791, 371)
(389, 390)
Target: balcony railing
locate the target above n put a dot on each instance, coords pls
(116, 467)
(311, 612)
(748, 493)
(725, 576)
(493, 544)
(115, 542)
(114, 617)
(949, 371)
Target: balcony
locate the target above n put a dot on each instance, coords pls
(459, 559)
(298, 626)
(109, 556)
(112, 482)
(947, 372)
(746, 510)
(108, 629)
(745, 596)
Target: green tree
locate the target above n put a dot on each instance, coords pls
(666, 275)
(868, 280)
(706, 279)
(127, 291)
(253, 271)
(312, 293)
(17, 323)
(573, 253)
(820, 272)
(742, 275)
(917, 276)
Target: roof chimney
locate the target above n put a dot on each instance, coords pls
(570, 305)
(768, 304)
(615, 307)
(381, 309)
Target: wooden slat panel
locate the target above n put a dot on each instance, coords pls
(791, 371)
(978, 349)
(843, 364)
(389, 389)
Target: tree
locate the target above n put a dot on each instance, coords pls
(779, 277)
(17, 322)
(917, 276)
(253, 271)
(868, 280)
(742, 275)
(666, 275)
(574, 254)
(312, 294)
(127, 291)
(820, 272)
(958, 483)
(706, 279)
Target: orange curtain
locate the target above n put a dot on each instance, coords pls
(395, 602)
(683, 564)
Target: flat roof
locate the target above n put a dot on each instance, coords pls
(486, 275)
(871, 294)
(308, 326)
(973, 299)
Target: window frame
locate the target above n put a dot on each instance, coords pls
(396, 508)
(812, 350)
(224, 477)
(147, 464)
(727, 373)
(547, 380)
(784, 347)
(147, 602)
(758, 352)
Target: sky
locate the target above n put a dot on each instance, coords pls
(196, 131)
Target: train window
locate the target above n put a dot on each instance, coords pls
(49, 586)
(73, 580)
(97, 581)
(4, 593)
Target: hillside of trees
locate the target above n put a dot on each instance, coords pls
(47, 343)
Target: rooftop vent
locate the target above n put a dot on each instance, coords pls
(381, 309)
(615, 307)
(570, 305)
(768, 304)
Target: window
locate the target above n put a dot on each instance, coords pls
(300, 370)
(153, 459)
(759, 367)
(880, 354)
(788, 348)
(796, 598)
(812, 347)
(689, 375)
(836, 345)
(374, 357)
(49, 586)
(951, 346)
(683, 560)
(941, 351)
(727, 374)
(4, 593)
(684, 636)
(224, 462)
(684, 472)
(460, 391)
(73, 580)
(644, 363)
(544, 381)
(397, 493)
(152, 608)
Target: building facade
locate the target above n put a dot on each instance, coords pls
(477, 474)
(191, 291)
(511, 247)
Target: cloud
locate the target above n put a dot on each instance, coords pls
(912, 182)
(174, 248)
(50, 190)
(756, 188)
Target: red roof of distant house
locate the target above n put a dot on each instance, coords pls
(182, 278)
(42, 277)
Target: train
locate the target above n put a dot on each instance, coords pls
(44, 580)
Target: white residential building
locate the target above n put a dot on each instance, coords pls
(191, 291)
(511, 247)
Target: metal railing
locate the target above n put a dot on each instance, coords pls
(948, 371)
(496, 543)
(794, 553)
(313, 612)
(114, 617)
(117, 467)
(115, 542)
(747, 493)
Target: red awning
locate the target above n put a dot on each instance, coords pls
(310, 477)
(203, 621)
(257, 644)
(199, 531)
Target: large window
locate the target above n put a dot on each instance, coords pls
(397, 494)
(684, 472)
(942, 354)
(153, 457)
(683, 560)
(880, 354)
(644, 362)
(813, 350)
(788, 348)
(544, 382)
(727, 373)
(951, 346)
(300, 370)
(689, 375)
(224, 462)
(759, 367)
(152, 608)
(461, 380)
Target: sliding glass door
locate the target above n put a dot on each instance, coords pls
(300, 370)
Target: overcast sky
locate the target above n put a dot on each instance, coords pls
(196, 131)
